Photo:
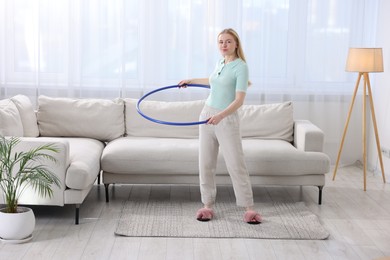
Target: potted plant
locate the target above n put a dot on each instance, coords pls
(18, 170)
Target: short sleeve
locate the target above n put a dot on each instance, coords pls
(242, 75)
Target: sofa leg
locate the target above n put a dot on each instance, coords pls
(98, 179)
(320, 194)
(106, 189)
(77, 214)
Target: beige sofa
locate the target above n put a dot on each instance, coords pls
(278, 150)
(76, 128)
(109, 136)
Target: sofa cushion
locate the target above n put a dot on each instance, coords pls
(186, 111)
(84, 162)
(27, 115)
(147, 155)
(143, 155)
(278, 157)
(10, 122)
(268, 121)
(93, 118)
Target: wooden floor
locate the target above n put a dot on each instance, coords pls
(358, 221)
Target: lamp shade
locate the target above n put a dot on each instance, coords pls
(365, 60)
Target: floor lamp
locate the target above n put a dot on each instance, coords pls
(363, 60)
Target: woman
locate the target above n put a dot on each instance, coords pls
(228, 84)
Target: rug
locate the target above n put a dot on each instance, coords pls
(292, 220)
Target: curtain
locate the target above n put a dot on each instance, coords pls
(295, 49)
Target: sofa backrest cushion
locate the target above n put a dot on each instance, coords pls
(10, 122)
(27, 115)
(268, 121)
(100, 119)
(186, 111)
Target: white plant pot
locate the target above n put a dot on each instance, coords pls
(17, 227)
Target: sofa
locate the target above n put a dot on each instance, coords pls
(76, 128)
(109, 138)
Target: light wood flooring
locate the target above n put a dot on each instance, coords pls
(358, 221)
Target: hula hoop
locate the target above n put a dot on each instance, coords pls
(167, 122)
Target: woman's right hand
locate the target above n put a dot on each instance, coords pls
(183, 83)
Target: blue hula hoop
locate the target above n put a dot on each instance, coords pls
(167, 122)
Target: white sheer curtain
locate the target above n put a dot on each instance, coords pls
(295, 49)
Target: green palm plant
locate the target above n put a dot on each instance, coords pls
(18, 170)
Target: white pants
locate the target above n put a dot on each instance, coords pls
(226, 136)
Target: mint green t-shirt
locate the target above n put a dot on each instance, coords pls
(225, 81)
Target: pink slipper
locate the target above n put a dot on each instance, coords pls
(252, 217)
(204, 214)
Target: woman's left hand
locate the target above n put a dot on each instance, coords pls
(214, 120)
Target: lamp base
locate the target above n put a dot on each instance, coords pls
(367, 88)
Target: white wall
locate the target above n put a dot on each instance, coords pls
(381, 93)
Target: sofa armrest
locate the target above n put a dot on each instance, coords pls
(59, 168)
(308, 137)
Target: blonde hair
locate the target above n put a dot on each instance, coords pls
(239, 50)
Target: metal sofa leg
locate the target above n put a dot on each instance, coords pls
(106, 189)
(77, 214)
(320, 194)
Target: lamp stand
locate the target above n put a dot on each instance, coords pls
(367, 87)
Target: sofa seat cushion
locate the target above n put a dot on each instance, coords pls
(278, 157)
(84, 157)
(133, 155)
(142, 155)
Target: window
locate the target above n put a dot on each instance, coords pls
(120, 48)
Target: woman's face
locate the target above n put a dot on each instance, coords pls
(227, 45)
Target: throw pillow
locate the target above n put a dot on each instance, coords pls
(10, 122)
(268, 121)
(100, 119)
(181, 111)
(27, 115)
